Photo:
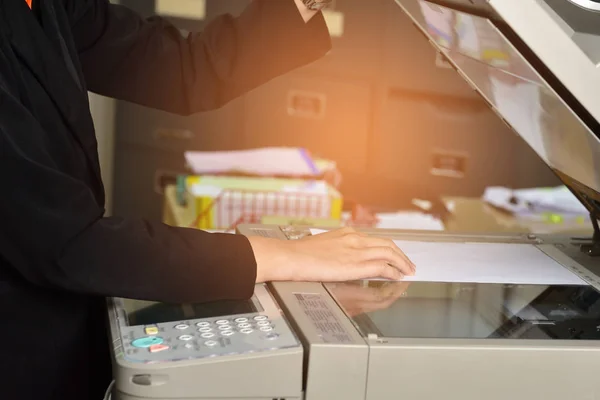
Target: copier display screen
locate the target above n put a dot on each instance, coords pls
(471, 311)
(149, 312)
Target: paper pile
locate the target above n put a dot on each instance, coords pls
(272, 161)
(524, 202)
(222, 202)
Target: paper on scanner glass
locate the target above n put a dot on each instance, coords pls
(535, 63)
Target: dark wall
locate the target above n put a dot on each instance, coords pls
(400, 124)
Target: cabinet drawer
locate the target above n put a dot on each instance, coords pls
(329, 118)
(214, 130)
(450, 146)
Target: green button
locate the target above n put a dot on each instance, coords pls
(146, 342)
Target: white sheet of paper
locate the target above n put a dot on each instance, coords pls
(264, 161)
(483, 263)
(409, 220)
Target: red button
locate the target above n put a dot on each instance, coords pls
(158, 347)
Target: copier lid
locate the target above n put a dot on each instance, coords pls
(426, 310)
(536, 63)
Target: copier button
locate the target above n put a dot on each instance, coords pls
(146, 342)
(151, 330)
(241, 320)
(247, 331)
(266, 328)
(263, 323)
(185, 338)
(260, 318)
(203, 324)
(205, 330)
(222, 322)
(227, 333)
(181, 327)
(208, 335)
(158, 347)
(244, 325)
(211, 343)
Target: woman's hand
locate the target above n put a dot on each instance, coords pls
(336, 256)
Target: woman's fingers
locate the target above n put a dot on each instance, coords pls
(388, 256)
(381, 242)
(379, 269)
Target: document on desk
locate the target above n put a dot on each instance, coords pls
(520, 264)
(269, 161)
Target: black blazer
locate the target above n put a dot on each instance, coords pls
(59, 257)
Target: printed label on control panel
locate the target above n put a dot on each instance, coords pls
(326, 323)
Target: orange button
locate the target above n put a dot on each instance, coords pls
(158, 347)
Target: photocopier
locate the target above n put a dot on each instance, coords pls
(536, 64)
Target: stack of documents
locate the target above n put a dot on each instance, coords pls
(272, 161)
(222, 202)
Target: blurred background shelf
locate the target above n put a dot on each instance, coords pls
(400, 124)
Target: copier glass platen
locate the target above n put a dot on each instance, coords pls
(535, 63)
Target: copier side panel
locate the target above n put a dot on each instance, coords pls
(477, 370)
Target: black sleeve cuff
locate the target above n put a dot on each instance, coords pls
(226, 267)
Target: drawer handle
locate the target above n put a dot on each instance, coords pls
(457, 113)
(163, 178)
(306, 104)
(173, 134)
(449, 164)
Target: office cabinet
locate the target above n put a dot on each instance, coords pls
(396, 118)
(213, 130)
(411, 63)
(450, 146)
(329, 117)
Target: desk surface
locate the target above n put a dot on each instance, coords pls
(468, 215)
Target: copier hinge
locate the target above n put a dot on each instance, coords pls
(593, 249)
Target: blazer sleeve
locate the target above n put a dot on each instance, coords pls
(52, 233)
(149, 62)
